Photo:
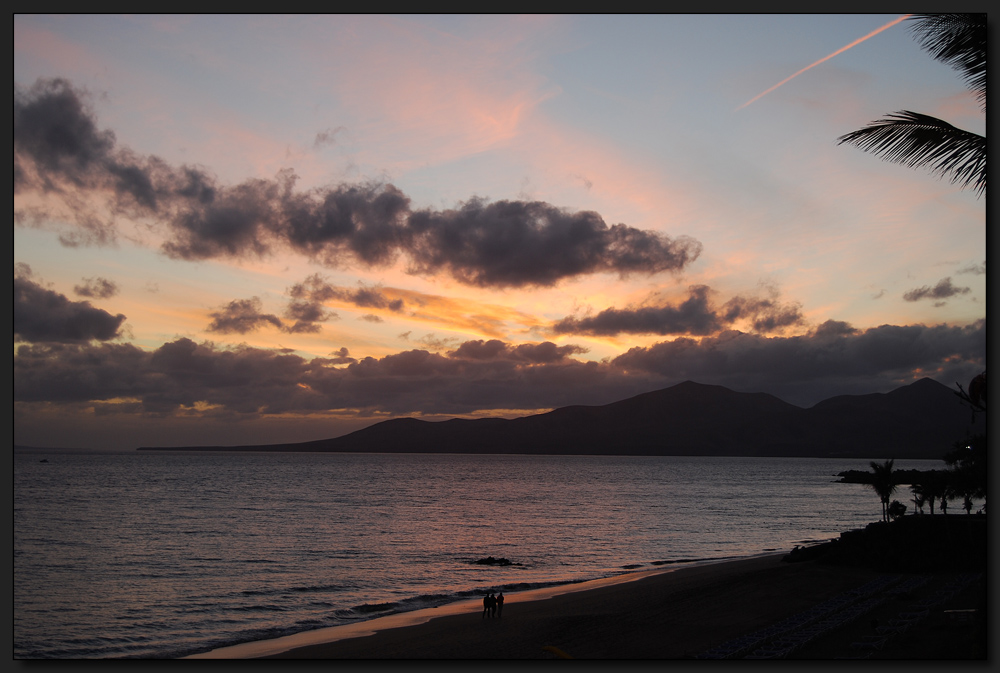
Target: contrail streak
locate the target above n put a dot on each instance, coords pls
(825, 58)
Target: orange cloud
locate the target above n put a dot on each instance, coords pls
(472, 317)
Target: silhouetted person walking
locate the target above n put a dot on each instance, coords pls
(499, 600)
(486, 605)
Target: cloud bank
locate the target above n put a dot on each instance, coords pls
(834, 356)
(183, 377)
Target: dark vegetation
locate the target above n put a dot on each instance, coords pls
(909, 544)
(965, 480)
(919, 543)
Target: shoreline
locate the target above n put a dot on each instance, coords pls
(627, 620)
(682, 613)
(276, 647)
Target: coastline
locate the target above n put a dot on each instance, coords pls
(680, 613)
(325, 636)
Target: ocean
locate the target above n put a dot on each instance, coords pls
(169, 554)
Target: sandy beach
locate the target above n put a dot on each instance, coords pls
(691, 611)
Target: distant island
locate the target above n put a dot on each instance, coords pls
(922, 420)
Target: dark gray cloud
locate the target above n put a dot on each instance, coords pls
(309, 297)
(58, 149)
(241, 316)
(42, 315)
(764, 314)
(371, 297)
(692, 316)
(494, 349)
(314, 289)
(695, 316)
(56, 138)
(832, 329)
(306, 308)
(97, 288)
(518, 243)
(307, 316)
(307, 311)
(208, 221)
(364, 222)
(943, 290)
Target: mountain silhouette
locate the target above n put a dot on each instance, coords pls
(920, 420)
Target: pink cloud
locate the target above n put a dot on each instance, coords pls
(428, 97)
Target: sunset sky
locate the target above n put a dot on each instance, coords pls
(255, 229)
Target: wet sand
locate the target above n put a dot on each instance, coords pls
(673, 615)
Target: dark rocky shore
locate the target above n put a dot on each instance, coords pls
(910, 544)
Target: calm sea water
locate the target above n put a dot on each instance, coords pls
(167, 554)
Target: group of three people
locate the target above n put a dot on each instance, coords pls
(493, 605)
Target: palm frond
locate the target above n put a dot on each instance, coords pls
(921, 141)
(958, 40)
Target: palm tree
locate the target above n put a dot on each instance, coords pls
(921, 141)
(882, 482)
(930, 488)
(965, 485)
(967, 503)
